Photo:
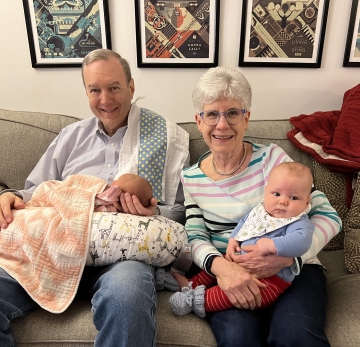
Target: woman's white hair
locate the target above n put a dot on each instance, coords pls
(221, 83)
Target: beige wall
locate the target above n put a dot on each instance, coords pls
(278, 92)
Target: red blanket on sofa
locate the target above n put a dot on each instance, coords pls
(332, 137)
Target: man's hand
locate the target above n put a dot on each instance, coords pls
(259, 265)
(131, 204)
(242, 289)
(9, 201)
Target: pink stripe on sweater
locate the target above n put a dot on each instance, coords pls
(323, 230)
(277, 162)
(230, 184)
(222, 195)
(241, 180)
(203, 185)
(248, 189)
(326, 237)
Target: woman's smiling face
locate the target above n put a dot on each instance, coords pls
(223, 138)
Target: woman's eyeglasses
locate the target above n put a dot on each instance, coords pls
(233, 116)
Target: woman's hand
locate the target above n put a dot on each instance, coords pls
(131, 204)
(242, 289)
(259, 265)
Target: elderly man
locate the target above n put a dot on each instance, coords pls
(113, 142)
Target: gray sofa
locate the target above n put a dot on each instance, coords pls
(25, 136)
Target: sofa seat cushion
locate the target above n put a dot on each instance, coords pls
(74, 327)
(342, 316)
(343, 304)
(188, 330)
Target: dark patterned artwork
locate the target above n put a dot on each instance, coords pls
(283, 32)
(64, 31)
(352, 48)
(172, 32)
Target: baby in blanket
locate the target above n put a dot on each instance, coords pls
(109, 199)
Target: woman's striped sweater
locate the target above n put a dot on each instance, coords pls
(213, 208)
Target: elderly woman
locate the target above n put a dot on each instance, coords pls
(226, 183)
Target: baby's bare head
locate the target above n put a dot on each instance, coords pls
(302, 172)
(135, 185)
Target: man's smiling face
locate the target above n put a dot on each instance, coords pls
(109, 93)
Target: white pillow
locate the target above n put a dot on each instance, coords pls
(155, 240)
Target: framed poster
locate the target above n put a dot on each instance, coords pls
(177, 34)
(352, 48)
(283, 33)
(61, 33)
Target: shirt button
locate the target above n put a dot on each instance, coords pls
(109, 165)
(113, 144)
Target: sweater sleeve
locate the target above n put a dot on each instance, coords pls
(198, 235)
(327, 224)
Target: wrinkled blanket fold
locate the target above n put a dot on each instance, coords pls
(45, 247)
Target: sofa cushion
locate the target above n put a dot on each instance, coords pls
(333, 185)
(352, 232)
(342, 316)
(274, 131)
(188, 330)
(197, 146)
(25, 136)
(74, 327)
(343, 304)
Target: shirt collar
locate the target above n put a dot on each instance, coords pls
(100, 131)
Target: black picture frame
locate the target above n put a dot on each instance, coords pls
(177, 34)
(287, 35)
(62, 36)
(352, 46)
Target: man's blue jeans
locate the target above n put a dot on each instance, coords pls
(123, 304)
(297, 318)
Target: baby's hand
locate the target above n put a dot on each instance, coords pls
(266, 246)
(232, 249)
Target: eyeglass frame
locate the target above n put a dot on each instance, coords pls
(224, 113)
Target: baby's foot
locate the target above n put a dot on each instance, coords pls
(181, 279)
(189, 300)
(164, 279)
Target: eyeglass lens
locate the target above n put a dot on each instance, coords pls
(233, 116)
